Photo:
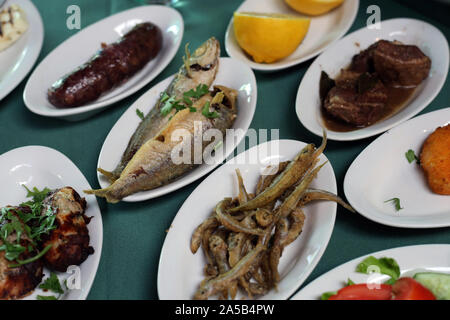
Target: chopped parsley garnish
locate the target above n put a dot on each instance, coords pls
(170, 103)
(411, 156)
(52, 284)
(140, 114)
(207, 113)
(28, 221)
(396, 202)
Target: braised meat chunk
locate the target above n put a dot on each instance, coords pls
(360, 105)
(378, 81)
(400, 65)
(70, 239)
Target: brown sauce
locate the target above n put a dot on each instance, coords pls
(398, 98)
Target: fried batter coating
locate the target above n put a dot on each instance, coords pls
(435, 160)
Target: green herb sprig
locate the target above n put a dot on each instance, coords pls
(170, 103)
(396, 202)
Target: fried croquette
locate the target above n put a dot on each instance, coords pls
(435, 160)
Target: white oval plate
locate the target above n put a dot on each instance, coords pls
(232, 73)
(37, 166)
(323, 31)
(81, 47)
(428, 38)
(17, 60)
(382, 172)
(180, 272)
(411, 259)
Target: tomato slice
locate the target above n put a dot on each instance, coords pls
(364, 292)
(410, 289)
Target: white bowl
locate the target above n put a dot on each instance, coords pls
(367, 190)
(323, 31)
(82, 46)
(17, 60)
(180, 272)
(409, 31)
(233, 74)
(411, 259)
(36, 166)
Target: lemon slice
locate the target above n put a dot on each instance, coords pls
(314, 7)
(269, 37)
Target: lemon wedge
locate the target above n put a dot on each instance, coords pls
(269, 37)
(314, 7)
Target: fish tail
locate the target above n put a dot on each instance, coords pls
(108, 174)
(103, 193)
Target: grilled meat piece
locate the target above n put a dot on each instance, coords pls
(70, 239)
(399, 64)
(360, 105)
(17, 282)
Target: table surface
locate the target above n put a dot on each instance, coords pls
(134, 232)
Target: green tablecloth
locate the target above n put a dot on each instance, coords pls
(134, 232)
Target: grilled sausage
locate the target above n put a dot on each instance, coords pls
(112, 65)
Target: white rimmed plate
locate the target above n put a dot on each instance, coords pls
(411, 259)
(409, 31)
(82, 46)
(37, 166)
(382, 172)
(232, 73)
(17, 60)
(180, 272)
(323, 31)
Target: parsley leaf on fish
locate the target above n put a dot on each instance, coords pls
(140, 114)
(52, 284)
(387, 266)
(396, 202)
(198, 92)
(207, 113)
(411, 156)
(167, 107)
(186, 102)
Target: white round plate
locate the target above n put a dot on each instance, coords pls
(17, 60)
(83, 45)
(415, 32)
(180, 272)
(411, 259)
(323, 31)
(382, 172)
(232, 73)
(37, 166)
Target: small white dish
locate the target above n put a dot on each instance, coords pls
(411, 259)
(382, 172)
(82, 46)
(180, 272)
(17, 60)
(232, 73)
(323, 31)
(409, 31)
(37, 166)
